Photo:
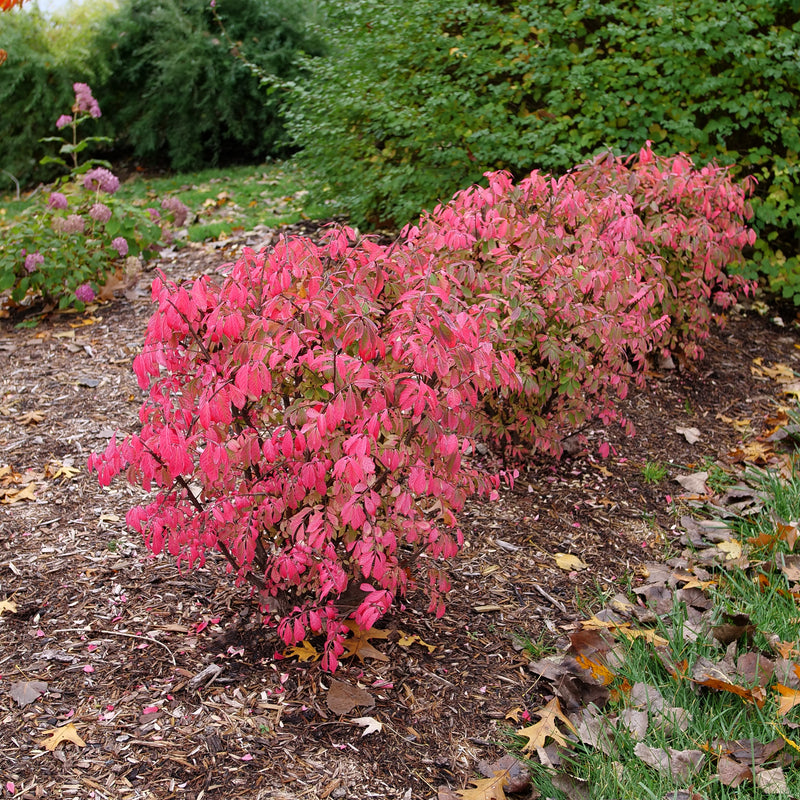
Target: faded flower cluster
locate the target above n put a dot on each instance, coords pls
(101, 179)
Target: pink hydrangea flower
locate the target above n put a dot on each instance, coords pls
(57, 200)
(32, 261)
(84, 293)
(84, 100)
(100, 213)
(102, 179)
(178, 210)
(72, 224)
(63, 121)
(120, 245)
(154, 214)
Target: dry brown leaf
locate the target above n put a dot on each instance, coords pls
(25, 692)
(753, 452)
(343, 698)
(694, 483)
(782, 373)
(691, 435)
(732, 550)
(680, 764)
(66, 733)
(546, 727)
(732, 772)
(370, 725)
(568, 562)
(487, 788)
(358, 644)
(771, 781)
(788, 532)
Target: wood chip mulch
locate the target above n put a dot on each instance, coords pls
(172, 685)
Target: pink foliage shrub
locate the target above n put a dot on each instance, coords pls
(308, 419)
(311, 417)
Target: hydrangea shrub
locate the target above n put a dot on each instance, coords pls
(63, 246)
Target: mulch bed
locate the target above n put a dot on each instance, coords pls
(174, 685)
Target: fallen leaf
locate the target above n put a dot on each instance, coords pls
(26, 493)
(8, 605)
(358, 644)
(732, 550)
(30, 418)
(569, 563)
(66, 733)
(546, 727)
(789, 566)
(370, 725)
(343, 698)
(753, 452)
(782, 373)
(487, 788)
(691, 435)
(25, 692)
(694, 483)
(602, 674)
(771, 781)
(304, 651)
(732, 772)
(407, 639)
(680, 764)
(624, 629)
(789, 698)
(519, 776)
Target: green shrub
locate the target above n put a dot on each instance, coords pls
(46, 55)
(421, 97)
(175, 88)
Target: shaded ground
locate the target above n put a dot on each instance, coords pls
(173, 684)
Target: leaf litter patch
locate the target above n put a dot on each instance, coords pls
(709, 671)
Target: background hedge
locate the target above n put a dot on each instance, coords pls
(420, 97)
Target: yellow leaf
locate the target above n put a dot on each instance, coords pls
(407, 639)
(8, 605)
(732, 549)
(515, 713)
(626, 630)
(546, 727)
(487, 788)
(569, 562)
(67, 733)
(305, 651)
(30, 418)
(789, 698)
(26, 493)
(600, 673)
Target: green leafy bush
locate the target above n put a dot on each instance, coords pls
(419, 98)
(34, 86)
(176, 90)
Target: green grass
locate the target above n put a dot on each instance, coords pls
(221, 200)
(762, 592)
(654, 472)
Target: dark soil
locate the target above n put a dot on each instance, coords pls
(175, 686)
